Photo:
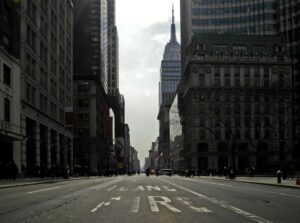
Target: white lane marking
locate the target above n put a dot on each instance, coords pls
(270, 192)
(97, 207)
(116, 198)
(136, 205)
(224, 205)
(141, 188)
(244, 188)
(153, 187)
(163, 202)
(106, 203)
(123, 189)
(185, 201)
(42, 190)
(169, 189)
(111, 188)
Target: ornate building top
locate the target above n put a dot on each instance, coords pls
(172, 49)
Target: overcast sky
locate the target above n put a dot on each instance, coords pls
(144, 30)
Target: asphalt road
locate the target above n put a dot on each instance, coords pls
(149, 199)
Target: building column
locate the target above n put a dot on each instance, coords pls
(57, 141)
(48, 145)
(71, 153)
(23, 142)
(37, 143)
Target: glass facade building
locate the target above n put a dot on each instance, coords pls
(243, 17)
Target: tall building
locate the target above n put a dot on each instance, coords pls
(92, 133)
(113, 50)
(170, 70)
(237, 103)
(170, 74)
(264, 17)
(91, 40)
(46, 82)
(10, 80)
(288, 25)
(177, 153)
(127, 149)
(116, 99)
(226, 16)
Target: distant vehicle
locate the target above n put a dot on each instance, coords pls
(167, 172)
(152, 172)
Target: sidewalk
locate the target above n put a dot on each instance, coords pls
(272, 181)
(7, 183)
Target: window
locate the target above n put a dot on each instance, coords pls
(202, 147)
(83, 88)
(201, 79)
(227, 76)
(202, 134)
(6, 75)
(236, 77)
(6, 110)
(216, 76)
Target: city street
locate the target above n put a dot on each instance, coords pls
(149, 199)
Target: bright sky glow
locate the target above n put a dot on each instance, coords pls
(144, 30)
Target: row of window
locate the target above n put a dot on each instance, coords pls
(31, 97)
(238, 134)
(233, 9)
(234, 21)
(224, 2)
(240, 147)
(250, 30)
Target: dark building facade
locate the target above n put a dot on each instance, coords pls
(113, 50)
(237, 103)
(92, 125)
(265, 17)
(170, 75)
(10, 80)
(288, 25)
(46, 83)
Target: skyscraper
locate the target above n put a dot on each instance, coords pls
(92, 133)
(256, 17)
(113, 50)
(251, 17)
(170, 71)
(288, 25)
(170, 75)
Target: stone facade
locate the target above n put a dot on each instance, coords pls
(46, 83)
(237, 103)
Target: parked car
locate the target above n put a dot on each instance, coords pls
(167, 172)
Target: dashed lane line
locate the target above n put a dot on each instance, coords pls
(223, 204)
(42, 190)
(111, 188)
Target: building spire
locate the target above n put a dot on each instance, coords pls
(173, 29)
(173, 14)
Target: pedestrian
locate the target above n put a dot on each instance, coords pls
(23, 170)
(279, 174)
(67, 171)
(13, 170)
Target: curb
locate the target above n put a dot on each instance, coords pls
(255, 182)
(40, 182)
